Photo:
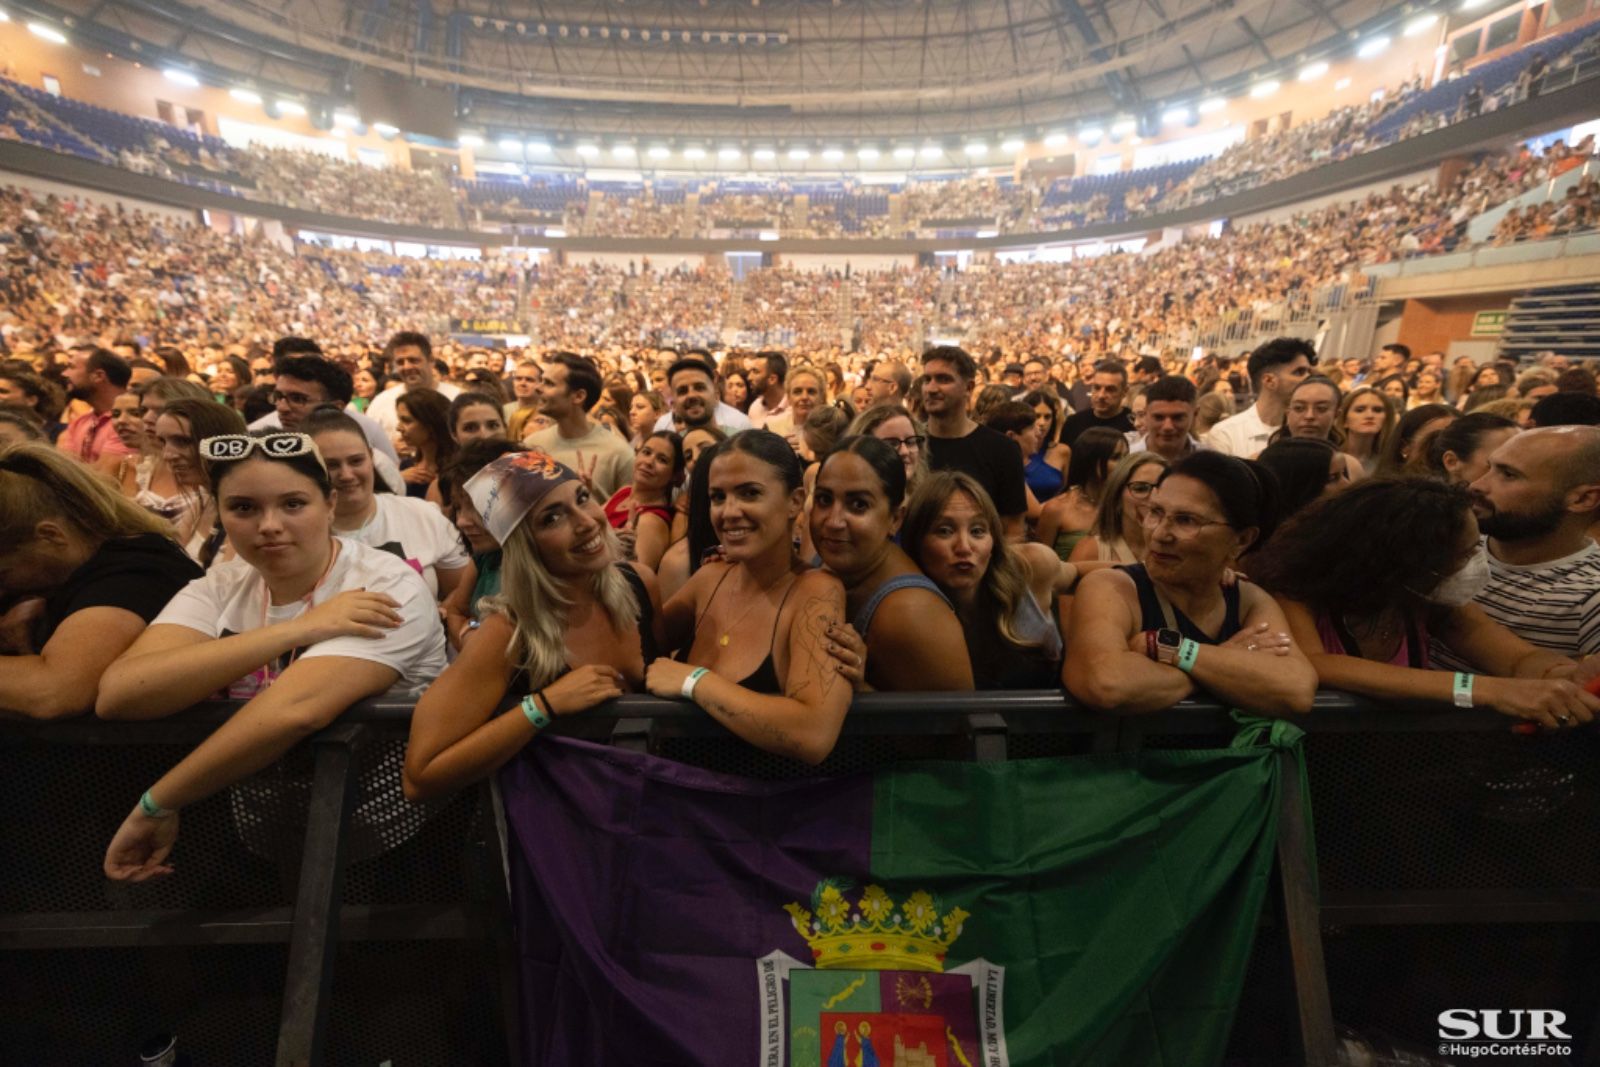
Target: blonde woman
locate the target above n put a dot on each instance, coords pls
(86, 568)
(896, 427)
(572, 627)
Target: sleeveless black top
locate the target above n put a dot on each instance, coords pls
(1152, 617)
(764, 679)
(520, 685)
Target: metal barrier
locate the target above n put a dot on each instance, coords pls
(1436, 829)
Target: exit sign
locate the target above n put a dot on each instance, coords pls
(1489, 323)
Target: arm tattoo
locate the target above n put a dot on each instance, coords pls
(818, 615)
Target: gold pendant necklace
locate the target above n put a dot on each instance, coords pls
(728, 633)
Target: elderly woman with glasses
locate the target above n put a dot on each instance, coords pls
(1147, 635)
(300, 626)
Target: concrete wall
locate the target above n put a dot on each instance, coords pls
(44, 186)
(809, 262)
(1434, 325)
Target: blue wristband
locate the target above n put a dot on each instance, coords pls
(1188, 651)
(1461, 692)
(530, 708)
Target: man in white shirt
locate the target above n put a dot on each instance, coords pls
(306, 382)
(601, 457)
(693, 388)
(1275, 369)
(767, 382)
(410, 356)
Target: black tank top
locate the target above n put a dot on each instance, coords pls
(764, 679)
(520, 685)
(1151, 617)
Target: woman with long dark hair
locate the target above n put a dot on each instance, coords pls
(1306, 469)
(423, 416)
(1459, 451)
(1368, 576)
(914, 639)
(756, 624)
(1069, 517)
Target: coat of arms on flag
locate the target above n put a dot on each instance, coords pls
(877, 994)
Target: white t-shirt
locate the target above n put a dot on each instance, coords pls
(730, 419)
(232, 599)
(416, 531)
(382, 409)
(1242, 435)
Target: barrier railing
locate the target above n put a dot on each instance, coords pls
(1424, 818)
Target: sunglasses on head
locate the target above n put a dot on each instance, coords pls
(232, 447)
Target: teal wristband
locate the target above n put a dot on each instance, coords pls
(530, 708)
(151, 808)
(1461, 692)
(1188, 650)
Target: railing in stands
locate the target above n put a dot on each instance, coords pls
(1437, 831)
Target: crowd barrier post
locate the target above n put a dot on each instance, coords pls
(309, 981)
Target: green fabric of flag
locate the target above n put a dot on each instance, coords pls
(1120, 892)
(1094, 911)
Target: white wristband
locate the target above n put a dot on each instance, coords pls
(694, 678)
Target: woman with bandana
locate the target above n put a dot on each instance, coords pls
(571, 627)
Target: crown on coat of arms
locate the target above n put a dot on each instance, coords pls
(874, 934)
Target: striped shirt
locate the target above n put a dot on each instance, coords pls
(1554, 605)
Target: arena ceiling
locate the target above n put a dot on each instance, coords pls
(788, 70)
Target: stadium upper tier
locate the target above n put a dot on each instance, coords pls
(662, 206)
(74, 269)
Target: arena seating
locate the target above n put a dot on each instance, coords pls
(1494, 79)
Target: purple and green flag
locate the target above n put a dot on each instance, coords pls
(1095, 910)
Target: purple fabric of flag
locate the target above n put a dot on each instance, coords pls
(670, 883)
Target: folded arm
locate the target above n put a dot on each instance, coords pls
(64, 677)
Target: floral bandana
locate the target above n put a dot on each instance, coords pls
(510, 487)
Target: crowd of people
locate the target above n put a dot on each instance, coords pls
(76, 268)
(314, 181)
(766, 538)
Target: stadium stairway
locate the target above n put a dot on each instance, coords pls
(1562, 319)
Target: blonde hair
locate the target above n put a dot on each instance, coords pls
(815, 373)
(532, 598)
(38, 483)
(1005, 582)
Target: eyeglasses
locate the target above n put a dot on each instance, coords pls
(1141, 489)
(232, 447)
(1184, 525)
(294, 400)
(897, 443)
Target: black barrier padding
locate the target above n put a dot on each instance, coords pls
(99, 1006)
(239, 849)
(1455, 811)
(1394, 981)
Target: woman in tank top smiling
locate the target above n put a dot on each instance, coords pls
(758, 624)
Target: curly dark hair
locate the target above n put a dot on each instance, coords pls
(1360, 550)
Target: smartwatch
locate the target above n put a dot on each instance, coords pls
(1167, 642)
